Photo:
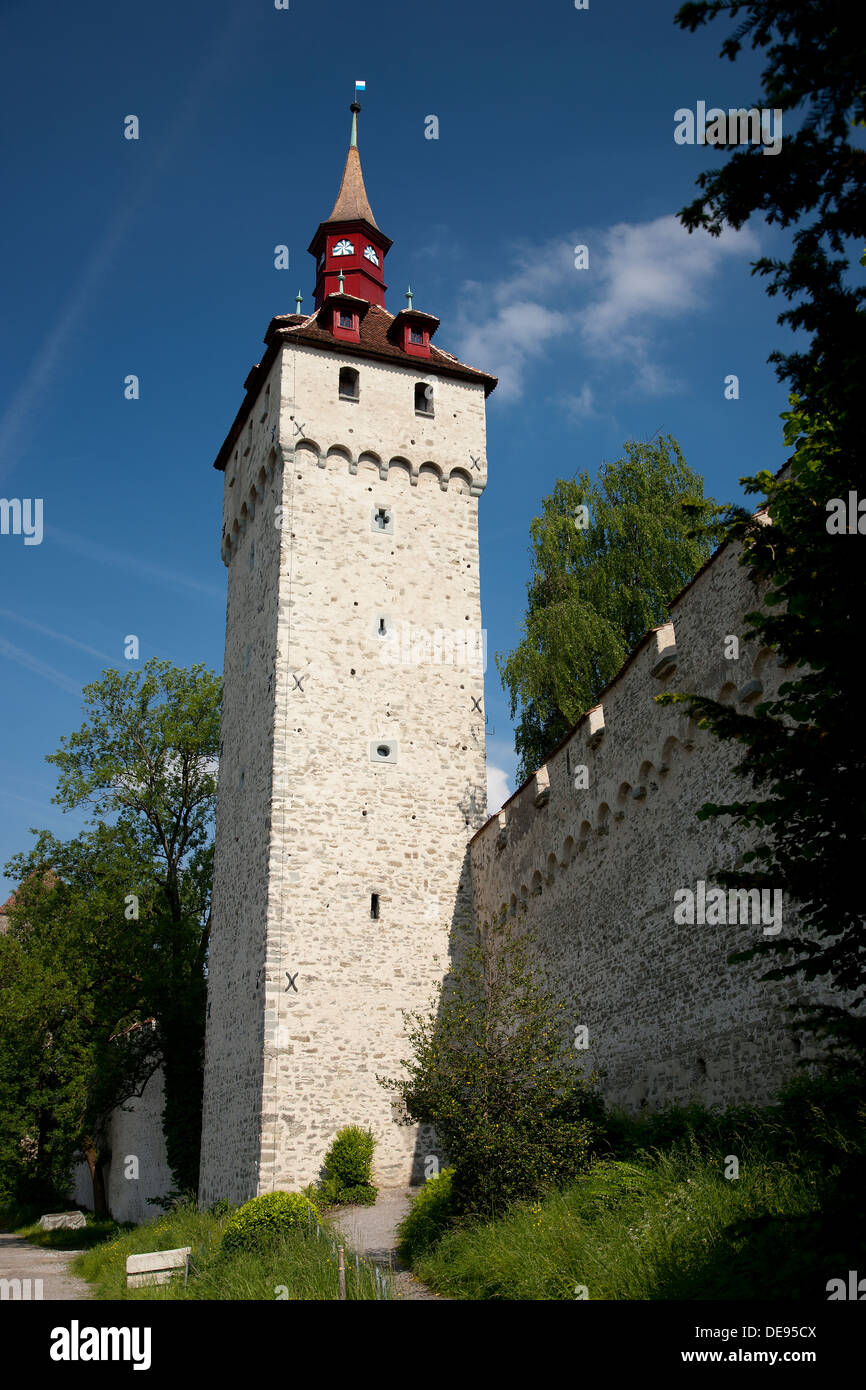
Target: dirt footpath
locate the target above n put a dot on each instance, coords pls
(372, 1231)
(21, 1261)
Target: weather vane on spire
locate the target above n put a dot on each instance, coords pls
(355, 108)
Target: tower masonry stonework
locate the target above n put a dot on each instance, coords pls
(352, 766)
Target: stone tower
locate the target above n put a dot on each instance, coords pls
(352, 769)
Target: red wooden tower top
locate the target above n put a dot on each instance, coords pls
(348, 246)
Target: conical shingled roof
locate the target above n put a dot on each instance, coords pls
(352, 202)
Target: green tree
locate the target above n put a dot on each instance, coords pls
(804, 752)
(146, 757)
(494, 1071)
(73, 991)
(597, 588)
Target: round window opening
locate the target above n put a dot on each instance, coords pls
(383, 750)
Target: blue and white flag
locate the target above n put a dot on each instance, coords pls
(360, 86)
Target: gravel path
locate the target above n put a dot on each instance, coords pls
(372, 1231)
(18, 1260)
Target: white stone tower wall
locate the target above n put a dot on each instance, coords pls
(235, 1022)
(318, 821)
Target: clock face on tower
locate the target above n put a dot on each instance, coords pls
(344, 248)
(370, 253)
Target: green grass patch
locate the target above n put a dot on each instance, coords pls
(296, 1265)
(24, 1222)
(428, 1218)
(660, 1214)
(668, 1227)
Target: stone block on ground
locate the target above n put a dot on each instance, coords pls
(63, 1221)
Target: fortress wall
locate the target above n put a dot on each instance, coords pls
(594, 871)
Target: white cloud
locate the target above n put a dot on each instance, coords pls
(505, 342)
(498, 790)
(582, 405)
(640, 275)
(654, 270)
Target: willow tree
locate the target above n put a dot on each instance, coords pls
(608, 555)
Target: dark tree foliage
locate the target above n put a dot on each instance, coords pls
(147, 755)
(75, 1043)
(145, 758)
(495, 1071)
(804, 752)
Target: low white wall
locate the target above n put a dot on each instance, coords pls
(134, 1132)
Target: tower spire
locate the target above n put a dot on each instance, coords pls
(352, 201)
(350, 240)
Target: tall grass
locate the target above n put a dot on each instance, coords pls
(672, 1228)
(298, 1266)
(656, 1217)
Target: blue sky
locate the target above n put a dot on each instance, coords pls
(156, 257)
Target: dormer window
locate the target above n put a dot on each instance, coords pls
(412, 330)
(345, 325)
(415, 339)
(349, 388)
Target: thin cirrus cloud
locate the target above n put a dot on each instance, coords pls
(155, 574)
(213, 62)
(640, 275)
(39, 668)
(51, 632)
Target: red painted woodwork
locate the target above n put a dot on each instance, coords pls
(361, 277)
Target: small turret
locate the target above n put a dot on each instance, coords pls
(349, 248)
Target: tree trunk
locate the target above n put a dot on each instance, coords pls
(97, 1177)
